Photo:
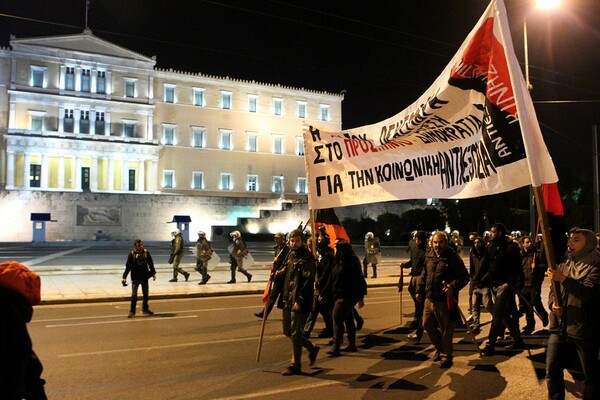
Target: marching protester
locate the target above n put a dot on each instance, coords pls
(348, 287)
(443, 277)
(502, 267)
(281, 251)
(372, 254)
(140, 264)
(322, 300)
(299, 278)
(481, 294)
(204, 253)
(530, 296)
(416, 263)
(236, 256)
(177, 255)
(574, 327)
(20, 368)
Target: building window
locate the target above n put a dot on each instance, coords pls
(85, 80)
(168, 179)
(169, 93)
(252, 103)
(252, 142)
(225, 183)
(68, 122)
(36, 120)
(277, 144)
(299, 146)
(252, 183)
(197, 180)
(168, 134)
(101, 82)
(35, 175)
(84, 121)
(99, 123)
(301, 109)
(225, 139)
(128, 129)
(277, 185)
(301, 186)
(277, 106)
(198, 136)
(38, 77)
(198, 97)
(70, 78)
(130, 87)
(226, 100)
(324, 112)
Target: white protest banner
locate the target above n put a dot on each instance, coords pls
(474, 132)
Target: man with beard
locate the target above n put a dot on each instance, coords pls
(534, 271)
(299, 273)
(443, 276)
(502, 267)
(281, 251)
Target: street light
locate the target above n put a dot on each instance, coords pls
(545, 5)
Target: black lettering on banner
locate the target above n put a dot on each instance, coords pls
(331, 184)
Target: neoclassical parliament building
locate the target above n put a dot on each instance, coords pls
(107, 145)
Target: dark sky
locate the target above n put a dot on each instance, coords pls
(384, 54)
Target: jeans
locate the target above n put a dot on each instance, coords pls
(481, 297)
(503, 314)
(559, 353)
(134, 295)
(532, 295)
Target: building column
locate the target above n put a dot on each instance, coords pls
(61, 172)
(61, 79)
(26, 171)
(78, 79)
(142, 176)
(108, 82)
(94, 174)
(10, 170)
(149, 126)
(107, 123)
(111, 174)
(12, 114)
(61, 119)
(92, 122)
(93, 79)
(44, 177)
(76, 120)
(125, 175)
(78, 173)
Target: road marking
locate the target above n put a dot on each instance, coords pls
(169, 346)
(145, 319)
(53, 255)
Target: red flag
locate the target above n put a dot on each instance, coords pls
(552, 199)
(333, 227)
(267, 290)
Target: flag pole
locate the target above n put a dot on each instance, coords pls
(546, 239)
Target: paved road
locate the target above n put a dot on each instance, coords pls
(205, 348)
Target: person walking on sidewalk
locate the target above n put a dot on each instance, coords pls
(177, 255)
(204, 253)
(298, 286)
(140, 264)
(236, 256)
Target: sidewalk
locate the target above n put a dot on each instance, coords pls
(68, 286)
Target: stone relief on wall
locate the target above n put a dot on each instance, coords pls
(104, 216)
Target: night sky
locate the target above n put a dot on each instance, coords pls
(383, 54)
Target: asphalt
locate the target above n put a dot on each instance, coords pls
(66, 284)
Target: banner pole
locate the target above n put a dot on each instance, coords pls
(547, 240)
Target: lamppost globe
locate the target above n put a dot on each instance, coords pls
(547, 4)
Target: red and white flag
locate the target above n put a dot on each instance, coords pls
(474, 132)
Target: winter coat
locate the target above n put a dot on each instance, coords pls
(447, 268)
(299, 272)
(141, 266)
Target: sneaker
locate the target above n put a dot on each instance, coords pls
(446, 363)
(488, 350)
(515, 345)
(349, 349)
(187, 275)
(359, 323)
(173, 280)
(148, 312)
(231, 281)
(131, 314)
(291, 370)
(413, 337)
(249, 277)
(312, 355)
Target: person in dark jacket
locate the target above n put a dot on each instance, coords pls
(140, 264)
(534, 271)
(416, 263)
(502, 268)
(443, 277)
(348, 287)
(298, 286)
(323, 299)
(574, 327)
(481, 295)
(280, 251)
